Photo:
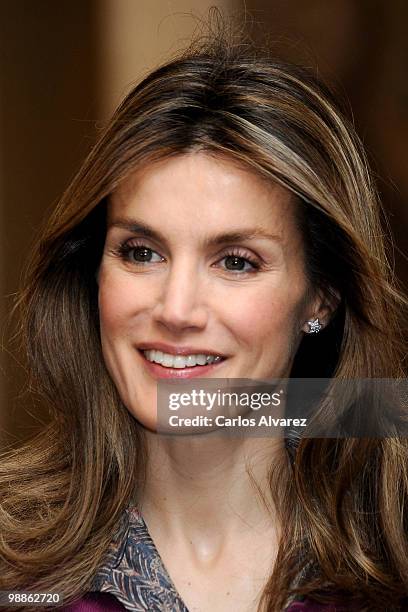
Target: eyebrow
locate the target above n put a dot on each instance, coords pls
(238, 235)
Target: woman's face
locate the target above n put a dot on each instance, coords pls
(203, 264)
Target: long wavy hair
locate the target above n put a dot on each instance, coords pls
(343, 502)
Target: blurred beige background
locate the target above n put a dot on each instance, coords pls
(65, 65)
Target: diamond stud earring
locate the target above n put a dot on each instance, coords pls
(314, 326)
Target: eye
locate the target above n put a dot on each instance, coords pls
(236, 262)
(139, 254)
(144, 254)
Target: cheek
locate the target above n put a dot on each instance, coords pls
(271, 311)
(116, 315)
(116, 303)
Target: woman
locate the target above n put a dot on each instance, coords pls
(224, 226)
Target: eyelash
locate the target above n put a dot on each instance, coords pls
(127, 248)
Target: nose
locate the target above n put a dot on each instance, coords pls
(182, 304)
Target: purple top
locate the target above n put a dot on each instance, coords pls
(104, 602)
(95, 602)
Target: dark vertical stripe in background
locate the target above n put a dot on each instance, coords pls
(47, 117)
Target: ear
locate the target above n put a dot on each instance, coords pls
(322, 307)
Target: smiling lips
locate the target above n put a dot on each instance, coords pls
(166, 360)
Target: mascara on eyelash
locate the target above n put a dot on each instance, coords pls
(125, 248)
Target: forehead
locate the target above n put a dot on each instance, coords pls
(205, 192)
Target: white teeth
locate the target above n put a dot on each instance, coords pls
(180, 361)
(168, 360)
(190, 360)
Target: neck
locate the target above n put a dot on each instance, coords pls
(209, 492)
